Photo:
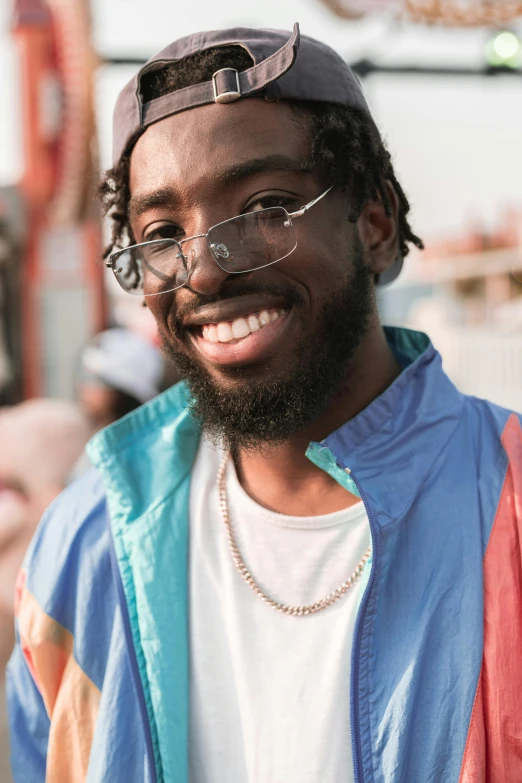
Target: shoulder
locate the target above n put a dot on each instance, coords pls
(492, 424)
(73, 527)
(496, 437)
(488, 412)
(67, 571)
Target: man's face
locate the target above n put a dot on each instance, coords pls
(200, 167)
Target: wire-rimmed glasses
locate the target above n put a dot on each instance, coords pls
(241, 244)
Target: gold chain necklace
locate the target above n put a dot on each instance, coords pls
(295, 611)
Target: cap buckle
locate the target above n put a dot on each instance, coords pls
(223, 93)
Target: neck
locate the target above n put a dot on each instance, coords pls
(282, 478)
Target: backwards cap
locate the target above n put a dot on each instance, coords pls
(286, 67)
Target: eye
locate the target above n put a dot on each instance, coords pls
(166, 231)
(272, 200)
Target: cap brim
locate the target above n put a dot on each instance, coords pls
(390, 274)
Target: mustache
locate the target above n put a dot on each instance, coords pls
(286, 292)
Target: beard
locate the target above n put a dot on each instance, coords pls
(261, 411)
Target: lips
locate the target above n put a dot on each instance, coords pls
(218, 346)
(240, 330)
(228, 310)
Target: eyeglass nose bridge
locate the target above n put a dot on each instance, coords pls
(190, 257)
(181, 242)
(217, 250)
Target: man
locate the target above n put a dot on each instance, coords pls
(302, 563)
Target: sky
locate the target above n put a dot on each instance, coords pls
(455, 142)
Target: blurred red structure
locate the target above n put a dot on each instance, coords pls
(62, 288)
(449, 13)
(478, 240)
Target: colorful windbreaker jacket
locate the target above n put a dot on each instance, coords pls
(98, 685)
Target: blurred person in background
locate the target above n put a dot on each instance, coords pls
(303, 563)
(40, 441)
(118, 371)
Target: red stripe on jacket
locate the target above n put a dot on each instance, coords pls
(493, 752)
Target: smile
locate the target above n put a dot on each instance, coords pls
(248, 339)
(229, 331)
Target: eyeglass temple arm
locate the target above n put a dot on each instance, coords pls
(310, 204)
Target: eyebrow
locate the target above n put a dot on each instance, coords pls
(167, 196)
(157, 198)
(259, 165)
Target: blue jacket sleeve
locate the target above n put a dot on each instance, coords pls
(28, 723)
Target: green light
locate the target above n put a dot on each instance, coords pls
(505, 49)
(506, 45)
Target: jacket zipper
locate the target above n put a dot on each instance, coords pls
(149, 752)
(356, 648)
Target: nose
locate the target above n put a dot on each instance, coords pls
(204, 274)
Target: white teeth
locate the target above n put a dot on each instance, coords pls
(212, 333)
(224, 333)
(240, 328)
(253, 323)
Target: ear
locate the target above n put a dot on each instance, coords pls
(379, 231)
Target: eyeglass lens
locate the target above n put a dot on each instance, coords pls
(242, 244)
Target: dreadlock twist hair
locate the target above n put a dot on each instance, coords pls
(345, 141)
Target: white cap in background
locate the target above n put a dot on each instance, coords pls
(123, 360)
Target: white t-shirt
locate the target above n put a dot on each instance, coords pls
(269, 693)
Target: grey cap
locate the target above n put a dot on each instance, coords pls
(288, 66)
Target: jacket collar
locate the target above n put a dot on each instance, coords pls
(391, 446)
